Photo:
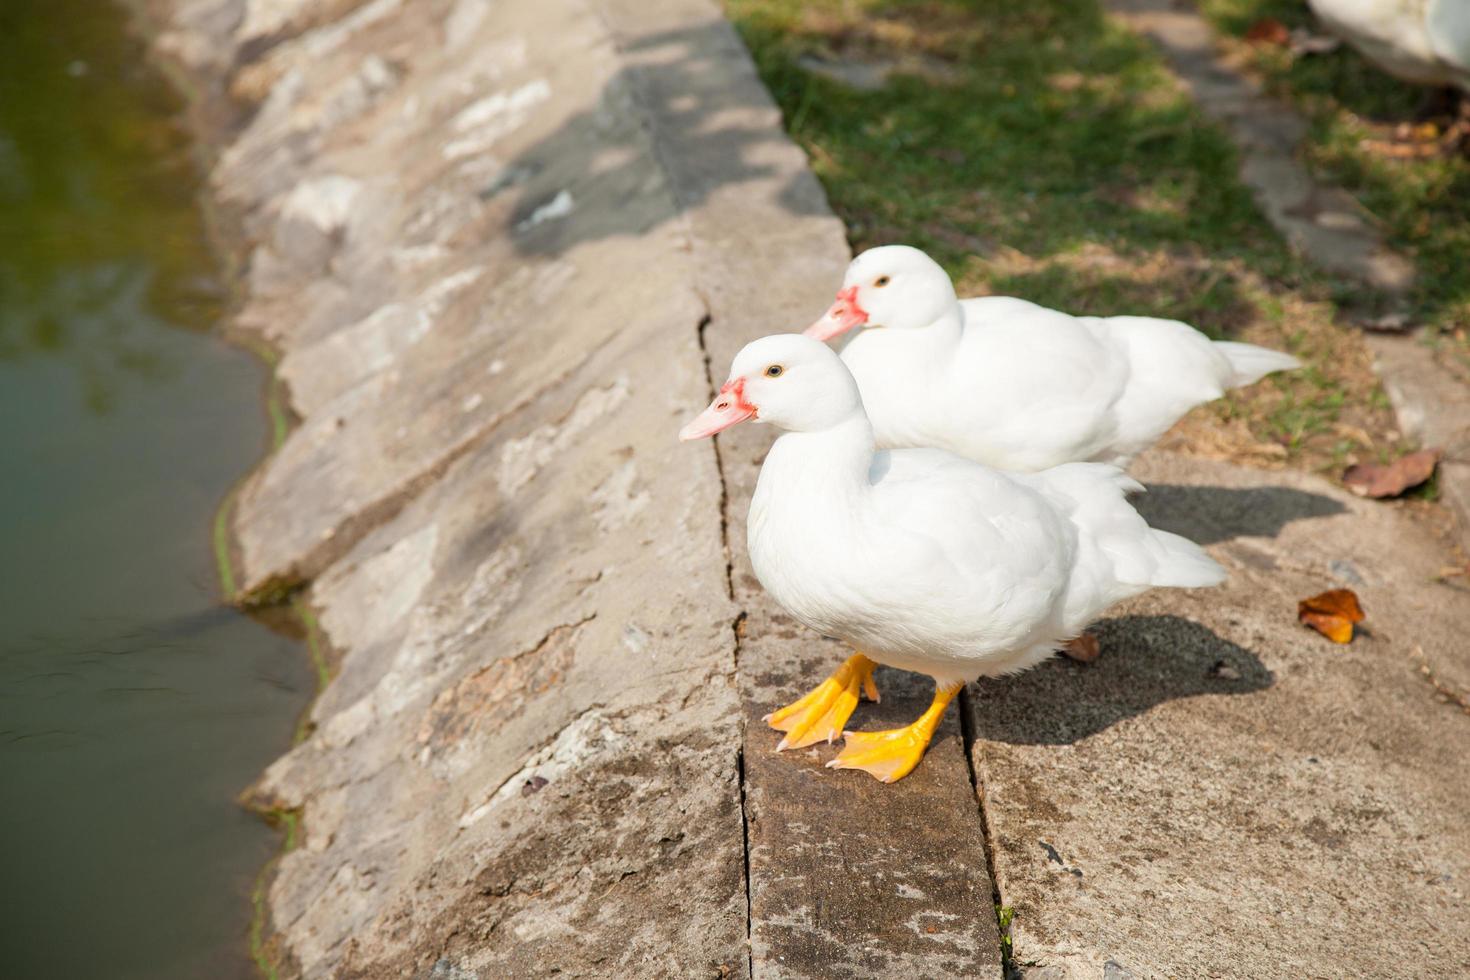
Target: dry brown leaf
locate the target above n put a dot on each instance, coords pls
(1404, 473)
(1268, 30)
(1332, 614)
(1085, 649)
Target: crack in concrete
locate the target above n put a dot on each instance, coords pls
(737, 629)
(1009, 970)
(709, 377)
(1446, 693)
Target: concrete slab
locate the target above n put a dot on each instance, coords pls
(1224, 792)
(851, 877)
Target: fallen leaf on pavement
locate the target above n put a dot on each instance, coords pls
(1085, 649)
(1404, 473)
(1268, 30)
(1332, 614)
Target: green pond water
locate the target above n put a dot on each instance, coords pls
(133, 706)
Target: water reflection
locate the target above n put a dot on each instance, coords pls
(98, 317)
(133, 707)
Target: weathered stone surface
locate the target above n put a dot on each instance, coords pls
(488, 304)
(554, 615)
(451, 297)
(847, 877)
(851, 877)
(1224, 792)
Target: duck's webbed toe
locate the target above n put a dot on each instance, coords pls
(820, 714)
(890, 755)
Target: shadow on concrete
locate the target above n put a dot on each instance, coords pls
(708, 128)
(1146, 661)
(1207, 515)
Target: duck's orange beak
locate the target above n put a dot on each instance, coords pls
(845, 314)
(729, 408)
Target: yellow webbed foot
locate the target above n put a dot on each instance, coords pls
(888, 756)
(820, 714)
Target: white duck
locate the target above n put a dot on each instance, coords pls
(920, 559)
(1014, 385)
(1422, 41)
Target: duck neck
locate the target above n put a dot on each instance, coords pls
(946, 330)
(937, 340)
(830, 464)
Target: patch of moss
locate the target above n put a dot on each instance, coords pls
(1004, 915)
(261, 950)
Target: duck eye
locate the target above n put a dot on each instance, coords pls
(881, 281)
(774, 371)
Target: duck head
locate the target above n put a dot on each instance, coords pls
(893, 286)
(793, 382)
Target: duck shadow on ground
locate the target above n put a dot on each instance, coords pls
(1146, 661)
(1209, 515)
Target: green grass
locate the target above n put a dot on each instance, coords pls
(1042, 150)
(1423, 204)
(1004, 916)
(1043, 127)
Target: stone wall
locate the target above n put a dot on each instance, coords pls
(486, 239)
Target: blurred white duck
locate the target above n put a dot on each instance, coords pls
(920, 559)
(1014, 385)
(1418, 41)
